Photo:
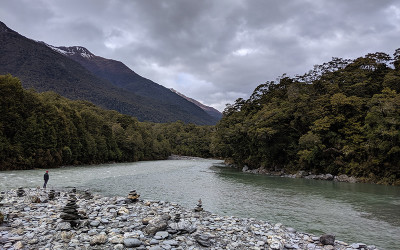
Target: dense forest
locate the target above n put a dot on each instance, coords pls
(44, 130)
(343, 117)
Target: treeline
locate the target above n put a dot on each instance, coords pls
(44, 130)
(343, 117)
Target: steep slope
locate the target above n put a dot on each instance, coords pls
(43, 69)
(210, 110)
(123, 77)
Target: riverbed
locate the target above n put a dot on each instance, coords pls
(354, 212)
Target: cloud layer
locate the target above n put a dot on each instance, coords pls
(212, 51)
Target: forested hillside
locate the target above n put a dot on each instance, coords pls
(46, 130)
(43, 69)
(343, 117)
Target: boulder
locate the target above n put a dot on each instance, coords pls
(328, 177)
(327, 239)
(275, 244)
(183, 227)
(98, 239)
(162, 234)
(301, 174)
(159, 223)
(203, 240)
(358, 245)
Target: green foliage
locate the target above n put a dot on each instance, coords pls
(343, 117)
(46, 130)
(186, 139)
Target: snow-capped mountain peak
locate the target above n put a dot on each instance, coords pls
(74, 50)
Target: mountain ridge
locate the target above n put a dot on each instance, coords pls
(210, 110)
(123, 77)
(44, 69)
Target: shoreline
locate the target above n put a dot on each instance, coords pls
(304, 175)
(32, 221)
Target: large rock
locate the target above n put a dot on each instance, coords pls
(345, 178)
(63, 226)
(98, 239)
(132, 242)
(203, 240)
(275, 244)
(301, 174)
(159, 223)
(358, 245)
(327, 239)
(183, 227)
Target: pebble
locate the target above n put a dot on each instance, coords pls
(95, 223)
(114, 223)
(131, 242)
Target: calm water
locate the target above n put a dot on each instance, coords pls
(353, 212)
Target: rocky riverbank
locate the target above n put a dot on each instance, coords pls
(303, 174)
(40, 219)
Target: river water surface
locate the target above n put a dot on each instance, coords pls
(364, 213)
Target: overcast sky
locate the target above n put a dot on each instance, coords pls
(214, 51)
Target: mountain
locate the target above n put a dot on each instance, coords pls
(210, 110)
(108, 84)
(123, 77)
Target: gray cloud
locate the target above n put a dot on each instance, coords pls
(213, 51)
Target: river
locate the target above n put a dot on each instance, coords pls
(358, 212)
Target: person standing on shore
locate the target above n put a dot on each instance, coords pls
(46, 179)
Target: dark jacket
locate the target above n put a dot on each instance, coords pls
(46, 176)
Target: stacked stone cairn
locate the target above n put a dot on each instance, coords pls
(132, 197)
(87, 195)
(20, 192)
(52, 194)
(177, 217)
(2, 195)
(199, 208)
(73, 190)
(69, 212)
(35, 199)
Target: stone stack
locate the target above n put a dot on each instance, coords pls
(2, 194)
(20, 192)
(69, 212)
(87, 195)
(199, 208)
(52, 194)
(73, 190)
(35, 199)
(177, 217)
(132, 197)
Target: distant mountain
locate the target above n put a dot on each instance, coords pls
(210, 110)
(107, 83)
(123, 77)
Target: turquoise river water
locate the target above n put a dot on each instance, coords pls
(358, 212)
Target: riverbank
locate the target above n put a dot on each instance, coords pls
(303, 174)
(32, 221)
